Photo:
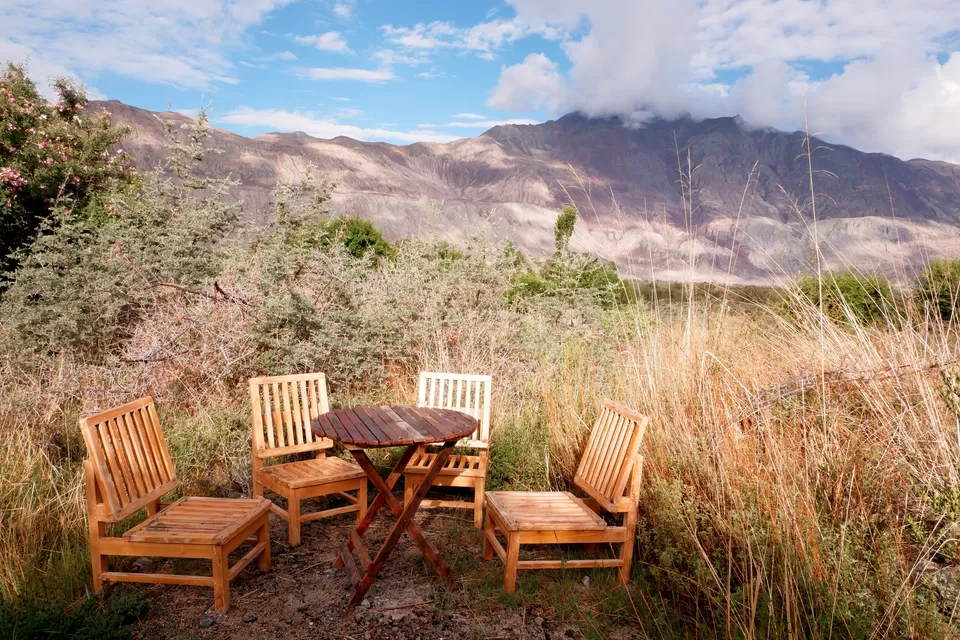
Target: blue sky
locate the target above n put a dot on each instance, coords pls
(881, 75)
(414, 92)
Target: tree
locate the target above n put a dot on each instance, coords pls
(563, 229)
(937, 290)
(56, 161)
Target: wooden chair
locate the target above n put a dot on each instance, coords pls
(130, 469)
(609, 474)
(282, 408)
(470, 394)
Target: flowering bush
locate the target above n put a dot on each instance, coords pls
(55, 160)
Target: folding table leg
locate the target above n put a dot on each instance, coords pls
(404, 519)
(378, 501)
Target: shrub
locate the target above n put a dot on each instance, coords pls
(937, 289)
(82, 285)
(56, 161)
(849, 297)
(568, 273)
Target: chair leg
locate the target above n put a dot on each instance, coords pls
(478, 503)
(362, 500)
(99, 563)
(409, 488)
(263, 537)
(221, 581)
(293, 519)
(510, 565)
(488, 529)
(626, 554)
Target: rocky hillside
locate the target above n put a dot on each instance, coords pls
(679, 199)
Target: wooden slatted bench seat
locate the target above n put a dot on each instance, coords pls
(130, 469)
(283, 408)
(471, 395)
(609, 474)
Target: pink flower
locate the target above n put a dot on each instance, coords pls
(11, 100)
(43, 116)
(67, 212)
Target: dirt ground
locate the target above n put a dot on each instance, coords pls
(302, 596)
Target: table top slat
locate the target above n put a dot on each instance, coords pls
(416, 418)
(393, 426)
(380, 415)
(376, 432)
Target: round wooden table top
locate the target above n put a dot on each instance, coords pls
(393, 426)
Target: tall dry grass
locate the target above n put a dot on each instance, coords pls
(794, 465)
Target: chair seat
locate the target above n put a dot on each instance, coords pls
(471, 466)
(543, 511)
(307, 473)
(196, 520)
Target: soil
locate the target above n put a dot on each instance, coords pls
(302, 596)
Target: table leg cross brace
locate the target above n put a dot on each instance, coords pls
(404, 522)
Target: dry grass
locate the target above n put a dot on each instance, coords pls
(791, 465)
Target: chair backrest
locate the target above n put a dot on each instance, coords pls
(611, 452)
(130, 458)
(282, 408)
(467, 393)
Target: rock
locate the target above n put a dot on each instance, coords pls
(144, 565)
(586, 581)
(206, 623)
(330, 571)
(288, 619)
(249, 618)
(277, 549)
(538, 621)
(365, 604)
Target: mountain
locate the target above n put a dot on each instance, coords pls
(713, 199)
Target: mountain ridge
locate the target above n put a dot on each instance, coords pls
(741, 214)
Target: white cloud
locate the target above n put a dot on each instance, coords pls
(345, 8)
(389, 58)
(324, 127)
(533, 84)
(487, 124)
(872, 71)
(342, 99)
(330, 41)
(468, 116)
(361, 75)
(484, 39)
(282, 55)
(176, 42)
(431, 75)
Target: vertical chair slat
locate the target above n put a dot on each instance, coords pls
(157, 435)
(134, 457)
(150, 460)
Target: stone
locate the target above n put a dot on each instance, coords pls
(206, 623)
(144, 565)
(277, 549)
(586, 581)
(538, 621)
(365, 604)
(249, 618)
(288, 619)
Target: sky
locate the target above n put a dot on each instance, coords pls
(879, 75)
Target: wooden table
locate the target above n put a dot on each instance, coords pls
(372, 427)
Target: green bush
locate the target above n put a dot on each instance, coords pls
(567, 274)
(850, 297)
(95, 619)
(56, 161)
(937, 289)
(81, 286)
